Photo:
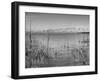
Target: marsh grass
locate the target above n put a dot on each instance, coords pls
(38, 54)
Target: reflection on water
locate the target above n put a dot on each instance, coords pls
(56, 49)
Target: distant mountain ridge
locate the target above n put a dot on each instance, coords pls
(63, 30)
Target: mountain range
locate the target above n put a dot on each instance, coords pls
(63, 30)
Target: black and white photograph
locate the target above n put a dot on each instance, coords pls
(50, 40)
(53, 40)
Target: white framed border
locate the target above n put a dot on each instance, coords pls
(53, 70)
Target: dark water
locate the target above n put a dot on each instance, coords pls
(59, 40)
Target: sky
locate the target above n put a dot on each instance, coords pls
(44, 21)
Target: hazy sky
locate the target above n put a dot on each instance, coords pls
(44, 21)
